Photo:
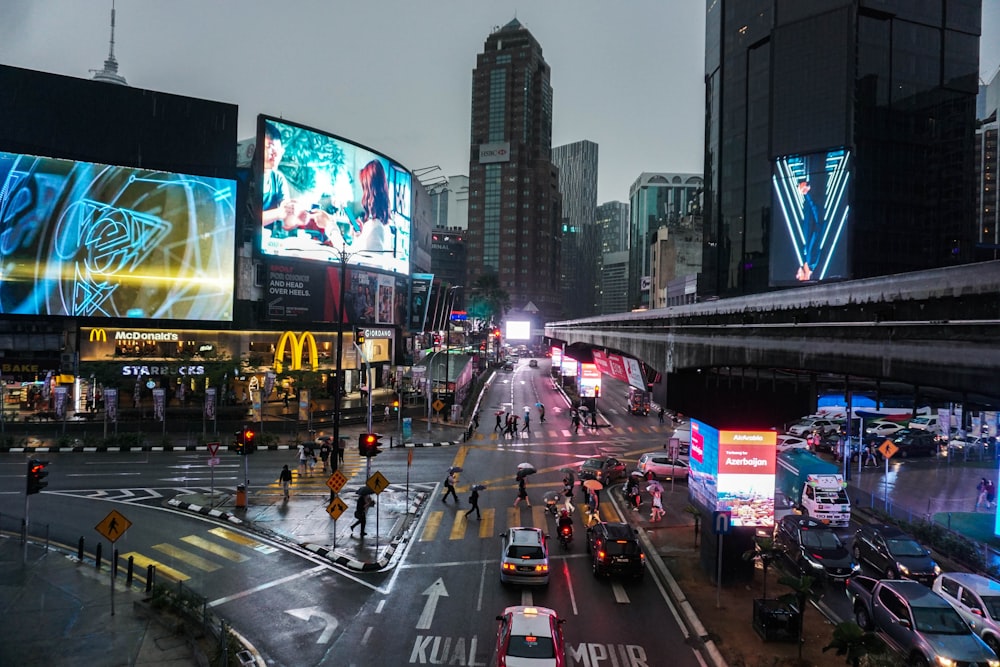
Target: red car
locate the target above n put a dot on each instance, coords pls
(530, 637)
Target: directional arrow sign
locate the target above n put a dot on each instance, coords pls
(306, 613)
(433, 592)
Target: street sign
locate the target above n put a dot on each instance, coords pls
(888, 449)
(722, 521)
(113, 526)
(336, 481)
(674, 447)
(214, 461)
(438, 405)
(377, 482)
(213, 448)
(336, 508)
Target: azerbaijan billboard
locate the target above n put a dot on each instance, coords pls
(322, 196)
(84, 239)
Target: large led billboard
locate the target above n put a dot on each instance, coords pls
(733, 471)
(811, 217)
(321, 196)
(85, 239)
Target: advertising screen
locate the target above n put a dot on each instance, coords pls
(94, 240)
(810, 219)
(590, 380)
(305, 292)
(518, 330)
(321, 196)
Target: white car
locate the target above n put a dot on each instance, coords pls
(883, 428)
(926, 423)
(661, 466)
(786, 442)
(807, 426)
(977, 599)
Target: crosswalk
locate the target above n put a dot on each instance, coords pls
(552, 431)
(315, 478)
(452, 524)
(205, 552)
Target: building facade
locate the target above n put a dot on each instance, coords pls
(515, 211)
(987, 171)
(860, 163)
(655, 200)
(612, 218)
(581, 238)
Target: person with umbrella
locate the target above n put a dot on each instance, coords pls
(365, 502)
(568, 493)
(449, 484)
(522, 491)
(474, 501)
(657, 512)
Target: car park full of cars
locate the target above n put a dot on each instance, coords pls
(615, 550)
(910, 442)
(524, 557)
(807, 426)
(882, 429)
(530, 636)
(894, 554)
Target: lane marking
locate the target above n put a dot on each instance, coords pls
(486, 523)
(191, 559)
(270, 584)
(431, 527)
(243, 540)
(213, 548)
(165, 570)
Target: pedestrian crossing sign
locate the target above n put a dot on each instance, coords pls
(113, 526)
(336, 508)
(377, 482)
(888, 449)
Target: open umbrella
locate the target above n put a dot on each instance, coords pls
(570, 473)
(638, 474)
(553, 498)
(592, 484)
(527, 468)
(364, 491)
(538, 404)
(479, 487)
(654, 487)
(455, 469)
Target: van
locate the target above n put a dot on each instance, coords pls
(926, 423)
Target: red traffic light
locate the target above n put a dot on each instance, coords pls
(368, 444)
(36, 476)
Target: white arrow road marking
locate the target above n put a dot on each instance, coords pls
(306, 613)
(433, 593)
(621, 597)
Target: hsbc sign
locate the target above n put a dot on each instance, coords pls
(494, 152)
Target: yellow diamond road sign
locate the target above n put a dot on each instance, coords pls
(113, 526)
(377, 482)
(888, 449)
(336, 481)
(438, 405)
(336, 508)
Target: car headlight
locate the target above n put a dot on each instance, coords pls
(945, 662)
(814, 563)
(937, 569)
(993, 663)
(902, 568)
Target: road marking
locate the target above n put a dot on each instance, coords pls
(243, 540)
(621, 597)
(486, 523)
(270, 584)
(330, 622)
(526, 598)
(432, 525)
(457, 529)
(538, 517)
(214, 548)
(434, 592)
(191, 559)
(165, 570)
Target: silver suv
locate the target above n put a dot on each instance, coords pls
(524, 557)
(977, 599)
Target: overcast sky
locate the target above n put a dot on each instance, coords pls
(396, 75)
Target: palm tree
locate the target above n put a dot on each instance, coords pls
(851, 641)
(803, 590)
(487, 300)
(765, 550)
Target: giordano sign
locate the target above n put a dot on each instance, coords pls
(298, 345)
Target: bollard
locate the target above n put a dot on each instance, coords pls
(150, 571)
(97, 556)
(129, 572)
(79, 550)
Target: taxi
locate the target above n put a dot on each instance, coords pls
(530, 637)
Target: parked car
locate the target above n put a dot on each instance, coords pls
(915, 442)
(894, 554)
(604, 469)
(813, 547)
(530, 636)
(524, 557)
(977, 600)
(661, 466)
(615, 549)
(807, 426)
(925, 423)
(785, 442)
(882, 429)
(507, 366)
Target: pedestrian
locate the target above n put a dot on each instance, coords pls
(474, 501)
(324, 453)
(285, 477)
(387, 411)
(657, 512)
(541, 413)
(302, 460)
(568, 494)
(475, 419)
(576, 423)
(310, 456)
(991, 494)
(449, 487)
(514, 426)
(593, 418)
(527, 422)
(341, 448)
(365, 502)
(660, 414)
(871, 458)
(522, 493)
(593, 507)
(284, 400)
(980, 494)
(499, 426)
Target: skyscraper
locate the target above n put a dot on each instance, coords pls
(581, 238)
(514, 203)
(839, 140)
(987, 172)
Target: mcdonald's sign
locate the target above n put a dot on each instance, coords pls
(296, 343)
(98, 336)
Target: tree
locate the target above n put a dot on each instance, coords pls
(803, 590)
(854, 643)
(487, 300)
(766, 551)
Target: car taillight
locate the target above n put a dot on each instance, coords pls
(509, 566)
(600, 555)
(541, 568)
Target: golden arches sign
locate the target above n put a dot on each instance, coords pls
(296, 344)
(98, 335)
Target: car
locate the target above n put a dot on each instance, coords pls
(604, 469)
(533, 363)
(614, 549)
(925, 423)
(507, 366)
(786, 442)
(524, 557)
(882, 428)
(977, 600)
(530, 636)
(894, 554)
(814, 548)
(913, 442)
(807, 426)
(661, 466)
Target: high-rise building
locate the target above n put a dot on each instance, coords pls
(581, 238)
(655, 200)
(612, 218)
(614, 283)
(839, 140)
(450, 202)
(514, 204)
(987, 172)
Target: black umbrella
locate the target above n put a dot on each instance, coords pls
(364, 491)
(479, 487)
(455, 469)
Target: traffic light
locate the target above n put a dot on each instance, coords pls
(238, 444)
(359, 336)
(395, 405)
(249, 446)
(36, 476)
(368, 444)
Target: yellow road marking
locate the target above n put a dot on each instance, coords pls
(431, 527)
(214, 548)
(242, 540)
(186, 556)
(486, 524)
(458, 527)
(165, 570)
(538, 517)
(513, 517)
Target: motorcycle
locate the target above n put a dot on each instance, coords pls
(566, 535)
